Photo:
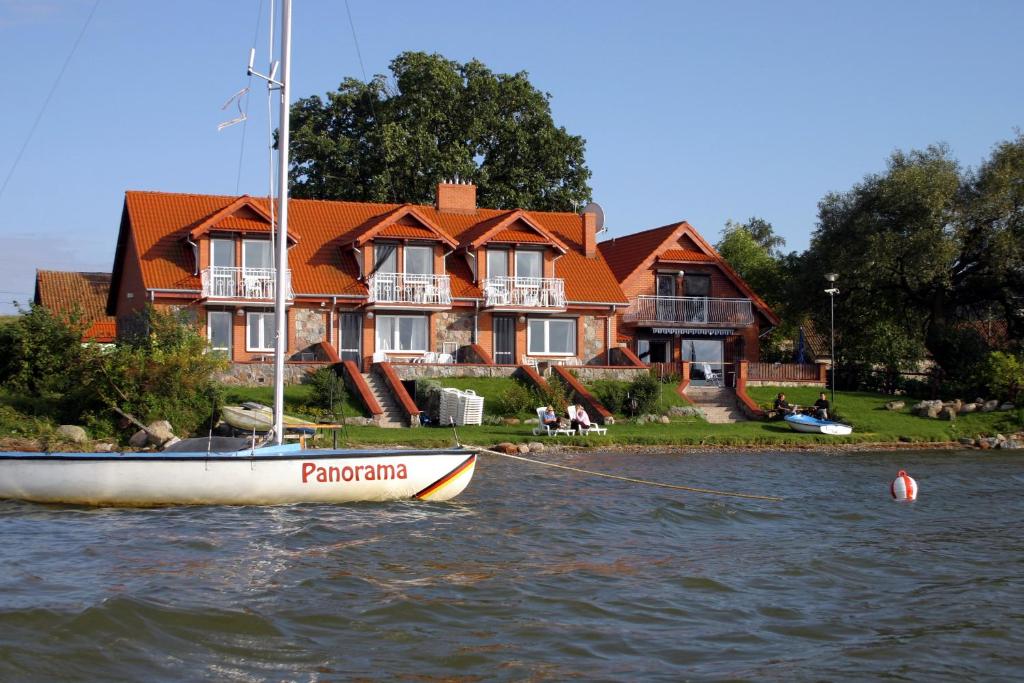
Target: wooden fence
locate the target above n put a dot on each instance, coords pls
(787, 372)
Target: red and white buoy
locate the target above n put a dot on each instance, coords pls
(903, 487)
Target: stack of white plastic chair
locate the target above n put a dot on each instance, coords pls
(471, 408)
(449, 407)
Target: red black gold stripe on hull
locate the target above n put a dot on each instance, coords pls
(465, 468)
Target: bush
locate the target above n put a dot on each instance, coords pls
(514, 400)
(428, 398)
(1003, 373)
(555, 396)
(613, 394)
(327, 389)
(645, 390)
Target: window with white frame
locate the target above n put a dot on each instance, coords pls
(551, 336)
(419, 260)
(529, 263)
(218, 325)
(260, 332)
(222, 253)
(257, 254)
(497, 263)
(385, 258)
(402, 333)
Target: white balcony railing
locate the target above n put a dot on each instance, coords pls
(697, 310)
(410, 288)
(222, 282)
(527, 292)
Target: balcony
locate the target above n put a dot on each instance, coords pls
(410, 288)
(524, 292)
(688, 310)
(221, 282)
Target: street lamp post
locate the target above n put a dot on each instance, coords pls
(832, 291)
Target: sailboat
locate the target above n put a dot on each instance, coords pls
(232, 472)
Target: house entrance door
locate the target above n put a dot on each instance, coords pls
(505, 339)
(350, 339)
(700, 352)
(666, 298)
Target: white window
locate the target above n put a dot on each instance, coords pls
(219, 330)
(552, 336)
(222, 253)
(260, 332)
(402, 333)
(529, 263)
(257, 254)
(497, 263)
(385, 258)
(419, 260)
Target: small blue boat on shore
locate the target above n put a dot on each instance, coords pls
(813, 425)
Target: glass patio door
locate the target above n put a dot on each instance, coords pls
(701, 351)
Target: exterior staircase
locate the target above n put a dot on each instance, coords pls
(718, 404)
(393, 416)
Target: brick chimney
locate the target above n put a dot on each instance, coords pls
(589, 234)
(456, 197)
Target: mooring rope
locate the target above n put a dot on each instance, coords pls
(678, 487)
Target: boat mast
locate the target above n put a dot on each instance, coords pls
(281, 282)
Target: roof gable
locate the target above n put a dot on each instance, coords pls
(244, 214)
(514, 226)
(402, 222)
(65, 292)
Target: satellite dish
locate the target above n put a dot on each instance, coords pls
(595, 208)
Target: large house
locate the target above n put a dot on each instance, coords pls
(685, 302)
(374, 281)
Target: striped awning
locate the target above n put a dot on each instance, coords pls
(696, 331)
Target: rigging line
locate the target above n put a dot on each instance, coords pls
(49, 95)
(678, 487)
(373, 109)
(248, 87)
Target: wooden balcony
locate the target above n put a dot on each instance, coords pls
(242, 284)
(400, 289)
(668, 311)
(515, 293)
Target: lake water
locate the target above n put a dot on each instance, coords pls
(541, 574)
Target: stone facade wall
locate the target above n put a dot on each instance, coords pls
(593, 339)
(424, 370)
(590, 373)
(310, 327)
(262, 374)
(453, 326)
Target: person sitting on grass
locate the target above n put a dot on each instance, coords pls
(550, 419)
(782, 406)
(821, 407)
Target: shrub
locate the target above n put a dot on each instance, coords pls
(645, 390)
(1003, 373)
(428, 398)
(555, 396)
(327, 389)
(613, 394)
(514, 400)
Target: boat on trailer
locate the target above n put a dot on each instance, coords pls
(216, 471)
(812, 425)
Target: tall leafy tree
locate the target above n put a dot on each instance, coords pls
(438, 120)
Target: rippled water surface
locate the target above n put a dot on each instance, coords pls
(540, 574)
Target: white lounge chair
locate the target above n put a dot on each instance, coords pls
(542, 428)
(713, 378)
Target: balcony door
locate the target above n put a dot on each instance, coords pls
(222, 260)
(350, 337)
(701, 351)
(505, 339)
(666, 290)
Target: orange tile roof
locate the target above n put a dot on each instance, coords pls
(322, 262)
(686, 255)
(625, 254)
(517, 235)
(64, 292)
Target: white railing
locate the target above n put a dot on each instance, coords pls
(410, 288)
(697, 310)
(529, 292)
(222, 282)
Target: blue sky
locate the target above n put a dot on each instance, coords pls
(691, 110)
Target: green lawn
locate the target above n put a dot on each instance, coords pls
(866, 411)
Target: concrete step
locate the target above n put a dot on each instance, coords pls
(393, 416)
(718, 404)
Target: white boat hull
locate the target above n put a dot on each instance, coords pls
(275, 476)
(810, 425)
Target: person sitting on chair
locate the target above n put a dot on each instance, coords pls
(782, 405)
(550, 419)
(821, 407)
(582, 420)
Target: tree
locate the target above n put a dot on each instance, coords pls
(749, 256)
(925, 249)
(441, 120)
